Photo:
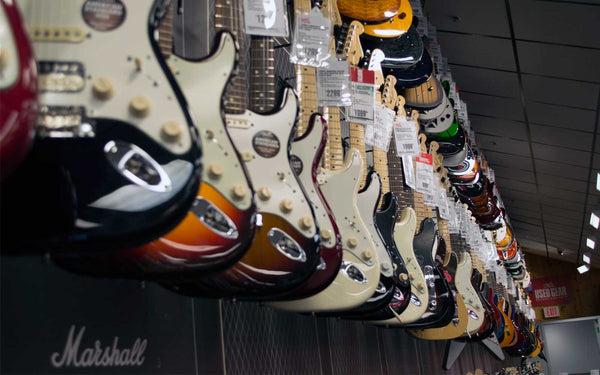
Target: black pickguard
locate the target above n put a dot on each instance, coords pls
(413, 75)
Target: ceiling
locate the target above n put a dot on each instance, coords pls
(529, 71)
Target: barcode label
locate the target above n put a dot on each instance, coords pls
(405, 135)
(333, 84)
(362, 87)
(424, 173)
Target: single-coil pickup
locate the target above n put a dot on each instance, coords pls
(57, 34)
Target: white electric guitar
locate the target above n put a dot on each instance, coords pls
(475, 310)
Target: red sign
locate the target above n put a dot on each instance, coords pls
(551, 312)
(550, 291)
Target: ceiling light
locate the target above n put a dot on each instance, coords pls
(598, 181)
(590, 242)
(583, 269)
(560, 252)
(594, 220)
(587, 258)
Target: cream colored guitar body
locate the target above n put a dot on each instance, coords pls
(202, 84)
(403, 236)
(475, 310)
(456, 328)
(358, 278)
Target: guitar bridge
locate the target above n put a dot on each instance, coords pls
(63, 122)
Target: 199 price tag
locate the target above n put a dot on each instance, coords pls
(424, 173)
(362, 84)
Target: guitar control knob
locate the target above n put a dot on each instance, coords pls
(352, 242)
(209, 134)
(385, 267)
(238, 192)
(420, 287)
(264, 193)
(215, 170)
(403, 277)
(102, 88)
(171, 131)
(366, 255)
(326, 234)
(247, 156)
(306, 223)
(286, 206)
(139, 106)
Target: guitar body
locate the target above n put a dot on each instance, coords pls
(414, 75)
(456, 328)
(131, 169)
(369, 10)
(400, 53)
(357, 279)
(283, 253)
(429, 94)
(475, 310)
(306, 155)
(18, 90)
(394, 26)
(508, 335)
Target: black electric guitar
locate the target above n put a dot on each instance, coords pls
(116, 131)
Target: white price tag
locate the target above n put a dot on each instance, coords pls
(362, 85)
(443, 207)
(405, 136)
(408, 168)
(266, 17)
(424, 173)
(380, 132)
(310, 44)
(429, 198)
(333, 84)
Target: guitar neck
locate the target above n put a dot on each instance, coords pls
(228, 16)
(380, 165)
(357, 141)
(334, 150)
(263, 81)
(306, 86)
(396, 179)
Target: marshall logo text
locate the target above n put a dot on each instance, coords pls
(73, 355)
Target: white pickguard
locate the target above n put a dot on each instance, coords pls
(123, 56)
(404, 232)
(306, 150)
(367, 204)
(203, 84)
(340, 189)
(9, 71)
(274, 173)
(463, 284)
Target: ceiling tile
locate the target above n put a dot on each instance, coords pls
(556, 22)
(564, 117)
(506, 160)
(486, 81)
(493, 106)
(506, 183)
(555, 169)
(496, 143)
(514, 173)
(476, 50)
(561, 137)
(469, 16)
(560, 154)
(559, 61)
(489, 125)
(565, 195)
(522, 214)
(567, 222)
(519, 194)
(511, 203)
(526, 226)
(560, 91)
(567, 210)
(562, 182)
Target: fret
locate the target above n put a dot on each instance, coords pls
(306, 86)
(263, 81)
(165, 33)
(334, 158)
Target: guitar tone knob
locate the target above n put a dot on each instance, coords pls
(238, 192)
(326, 234)
(403, 277)
(171, 131)
(306, 223)
(247, 156)
(286, 206)
(352, 242)
(366, 255)
(385, 267)
(215, 170)
(264, 193)
(102, 88)
(139, 106)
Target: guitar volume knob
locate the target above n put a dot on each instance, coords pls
(171, 131)
(215, 170)
(286, 206)
(264, 193)
(102, 88)
(139, 106)
(326, 234)
(352, 242)
(238, 192)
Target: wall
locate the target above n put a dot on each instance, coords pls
(584, 287)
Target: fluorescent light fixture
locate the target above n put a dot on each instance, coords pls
(583, 269)
(587, 258)
(590, 242)
(594, 220)
(598, 181)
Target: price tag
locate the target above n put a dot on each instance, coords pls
(443, 207)
(408, 167)
(266, 17)
(424, 173)
(333, 84)
(405, 136)
(362, 85)
(462, 111)
(380, 133)
(311, 39)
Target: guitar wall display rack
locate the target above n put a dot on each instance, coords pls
(352, 187)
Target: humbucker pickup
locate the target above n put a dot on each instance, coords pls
(61, 76)
(63, 122)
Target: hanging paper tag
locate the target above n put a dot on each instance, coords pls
(266, 17)
(380, 132)
(362, 84)
(424, 173)
(408, 168)
(443, 207)
(310, 44)
(405, 135)
(333, 84)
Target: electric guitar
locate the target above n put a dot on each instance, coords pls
(392, 27)
(358, 276)
(18, 89)
(429, 94)
(476, 312)
(371, 10)
(131, 168)
(284, 251)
